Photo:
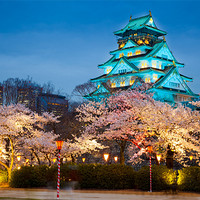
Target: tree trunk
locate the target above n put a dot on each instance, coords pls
(37, 157)
(122, 145)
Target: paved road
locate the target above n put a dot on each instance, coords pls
(93, 195)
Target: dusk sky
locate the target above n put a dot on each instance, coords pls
(64, 41)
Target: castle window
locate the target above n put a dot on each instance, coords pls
(172, 84)
(155, 77)
(122, 83)
(108, 70)
(147, 80)
(98, 86)
(130, 53)
(160, 66)
(137, 52)
(146, 41)
(113, 85)
(121, 71)
(121, 55)
(154, 64)
(122, 45)
(131, 82)
(140, 41)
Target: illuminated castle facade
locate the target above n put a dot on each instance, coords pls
(143, 55)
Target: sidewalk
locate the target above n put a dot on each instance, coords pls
(43, 194)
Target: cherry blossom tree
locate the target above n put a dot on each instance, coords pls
(134, 117)
(23, 128)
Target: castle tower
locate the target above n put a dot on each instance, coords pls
(143, 55)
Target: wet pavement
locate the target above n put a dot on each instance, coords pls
(93, 195)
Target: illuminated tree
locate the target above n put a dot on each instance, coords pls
(24, 129)
(134, 116)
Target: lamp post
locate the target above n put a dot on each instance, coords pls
(59, 147)
(150, 151)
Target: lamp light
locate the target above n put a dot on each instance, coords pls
(54, 160)
(18, 158)
(158, 156)
(191, 157)
(115, 158)
(150, 149)
(59, 144)
(83, 159)
(106, 156)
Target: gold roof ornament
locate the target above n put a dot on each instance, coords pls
(150, 13)
(174, 63)
(130, 18)
(164, 38)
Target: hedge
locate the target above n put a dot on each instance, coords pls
(115, 176)
(162, 178)
(189, 179)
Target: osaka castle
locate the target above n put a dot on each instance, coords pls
(143, 55)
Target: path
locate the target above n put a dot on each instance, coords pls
(94, 195)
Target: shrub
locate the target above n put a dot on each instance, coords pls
(96, 176)
(189, 179)
(29, 176)
(162, 178)
(3, 176)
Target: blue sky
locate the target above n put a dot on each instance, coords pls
(64, 41)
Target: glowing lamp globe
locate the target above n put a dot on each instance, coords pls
(83, 159)
(18, 158)
(59, 144)
(115, 158)
(150, 149)
(158, 156)
(191, 157)
(106, 156)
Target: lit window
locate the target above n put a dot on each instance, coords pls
(140, 41)
(122, 45)
(131, 82)
(121, 55)
(145, 64)
(160, 66)
(98, 86)
(113, 85)
(155, 77)
(130, 53)
(146, 41)
(135, 34)
(147, 80)
(108, 70)
(154, 64)
(122, 83)
(137, 52)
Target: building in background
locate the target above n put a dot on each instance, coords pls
(143, 56)
(13, 91)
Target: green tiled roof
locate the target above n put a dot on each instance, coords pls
(138, 23)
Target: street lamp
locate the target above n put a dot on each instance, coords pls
(59, 147)
(106, 156)
(83, 159)
(18, 158)
(158, 156)
(116, 158)
(150, 149)
(191, 157)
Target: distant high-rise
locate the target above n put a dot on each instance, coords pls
(15, 91)
(143, 55)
